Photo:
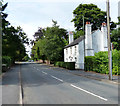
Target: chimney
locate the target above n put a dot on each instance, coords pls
(104, 36)
(88, 36)
(71, 39)
(88, 40)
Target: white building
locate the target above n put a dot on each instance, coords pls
(87, 45)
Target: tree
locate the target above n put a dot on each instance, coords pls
(115, 38)
(92, 14)
(118, 20)
(12, 39)
(51, 44)
(77, 34)
(38, 35)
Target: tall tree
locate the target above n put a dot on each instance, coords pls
(52, 44)
(12, 39)
(38, 35)
(91, 13)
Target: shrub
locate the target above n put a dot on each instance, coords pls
(68, 65)
(99, 62)
(6, 60)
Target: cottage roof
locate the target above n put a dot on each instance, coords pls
(75, 42)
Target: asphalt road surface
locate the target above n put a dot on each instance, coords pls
(42, 84)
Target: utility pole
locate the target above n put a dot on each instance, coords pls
(109, 41)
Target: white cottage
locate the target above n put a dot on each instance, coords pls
(87, 45)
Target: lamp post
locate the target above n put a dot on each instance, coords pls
(109, 41)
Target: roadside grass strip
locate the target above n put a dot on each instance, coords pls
(89, 92)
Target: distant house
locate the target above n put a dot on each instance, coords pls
(87, 45)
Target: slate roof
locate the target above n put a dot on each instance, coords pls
(75, 42)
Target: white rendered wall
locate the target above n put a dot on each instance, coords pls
(98, 41)
(71, 55)
(80, 58)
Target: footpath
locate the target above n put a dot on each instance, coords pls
(91, 75)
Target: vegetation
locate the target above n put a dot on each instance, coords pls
(13, 39)
(115, 38)
(67, 65)
(92, 14)
(99, 62)
(51, 45)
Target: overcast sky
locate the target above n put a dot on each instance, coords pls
(31, 14)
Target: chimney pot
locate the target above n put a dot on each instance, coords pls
(87, 22)
(103, 24)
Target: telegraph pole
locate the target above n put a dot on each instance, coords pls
(109, 41)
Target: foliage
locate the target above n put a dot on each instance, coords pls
(77, 34)
(26, 58)
(38, 35)
(51, 45)
(13, 39)
(68, 65)
(92, 14)
(118, 20)
(115, 38)
(99, 62)
(6, 60)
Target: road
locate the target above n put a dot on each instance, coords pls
(42, 84)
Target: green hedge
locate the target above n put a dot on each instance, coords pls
(6, 60)
(68, 65)
(99, 62)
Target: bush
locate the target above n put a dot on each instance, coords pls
(6, 60)
(99, 62)
(68, 65)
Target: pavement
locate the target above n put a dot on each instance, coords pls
(90, 74)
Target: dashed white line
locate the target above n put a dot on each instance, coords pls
(88, 92)
(57, 78)
(44, 72)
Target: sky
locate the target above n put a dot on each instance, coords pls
(32, 14)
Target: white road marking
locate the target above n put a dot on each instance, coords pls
(56, 78)
(89, 92)
(44, 72)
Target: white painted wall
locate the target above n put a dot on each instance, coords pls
(80, 59)
(77, 55)
(98, 41)
(71, 55)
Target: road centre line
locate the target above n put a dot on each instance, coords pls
(44, 72)
(57, 78)
(88, 92)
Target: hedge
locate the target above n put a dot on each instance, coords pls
(99, 62)
(67, 65)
